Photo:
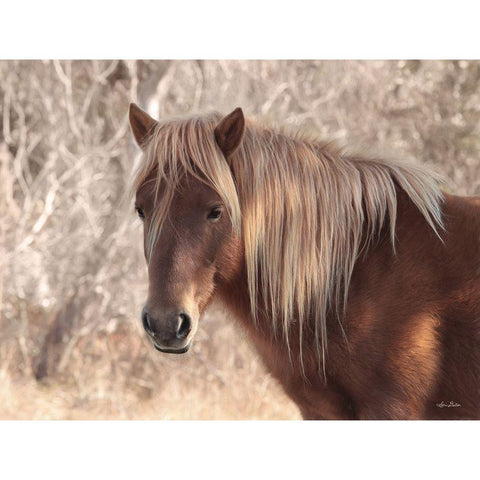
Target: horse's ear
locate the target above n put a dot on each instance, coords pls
(141, 124)
(229, 132)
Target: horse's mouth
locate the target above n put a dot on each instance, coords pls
(172, 350)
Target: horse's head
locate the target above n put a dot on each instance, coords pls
(189, 240)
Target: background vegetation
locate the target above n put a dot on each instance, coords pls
(72, 273)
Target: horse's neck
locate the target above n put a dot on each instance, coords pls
(373, 266)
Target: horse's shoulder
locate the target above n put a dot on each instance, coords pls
(462, 205)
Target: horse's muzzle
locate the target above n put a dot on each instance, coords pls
(170, 332)
(170, 350)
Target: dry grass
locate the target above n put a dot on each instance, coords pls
(72, 273)
(221, 379)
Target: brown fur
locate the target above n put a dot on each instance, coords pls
(408, 344)
(412, 324)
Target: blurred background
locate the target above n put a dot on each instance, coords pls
(72, 272)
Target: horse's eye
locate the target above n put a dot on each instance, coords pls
(215, 213)
(140, 212)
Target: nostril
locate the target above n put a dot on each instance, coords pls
(146, 322)
(184, 325)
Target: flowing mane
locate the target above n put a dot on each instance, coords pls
(305, 210)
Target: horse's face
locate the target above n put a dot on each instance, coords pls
(196, 248)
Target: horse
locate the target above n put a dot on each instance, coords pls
(356, 278)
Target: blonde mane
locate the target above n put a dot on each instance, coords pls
(305, 210)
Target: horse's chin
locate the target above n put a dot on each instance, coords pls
(173, 350)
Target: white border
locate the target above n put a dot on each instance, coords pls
(239, 450)
(247, 29)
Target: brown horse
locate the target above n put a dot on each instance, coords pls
(357, 279)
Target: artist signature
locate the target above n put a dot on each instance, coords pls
(442, 404)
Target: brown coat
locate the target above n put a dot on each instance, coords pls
(412, 325)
